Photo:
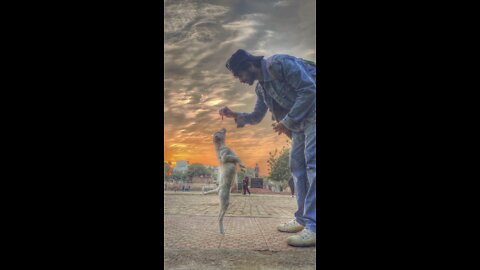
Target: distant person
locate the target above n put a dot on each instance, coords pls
(245, 186)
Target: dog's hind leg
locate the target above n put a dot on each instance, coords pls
(224, 202)
(220, 220)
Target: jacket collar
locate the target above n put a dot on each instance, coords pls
(266, 75)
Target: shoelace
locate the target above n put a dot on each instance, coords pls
(291, 222)
(306, 234)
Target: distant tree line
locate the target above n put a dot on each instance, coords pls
(186, 176)
(279, 166)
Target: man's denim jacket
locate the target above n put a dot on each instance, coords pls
(292, 84)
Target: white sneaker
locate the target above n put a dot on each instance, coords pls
(291, 227)
(306, 238)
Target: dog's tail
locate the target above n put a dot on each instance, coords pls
(210, 191)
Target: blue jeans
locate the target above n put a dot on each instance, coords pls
(304, 171)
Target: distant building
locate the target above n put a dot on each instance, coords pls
(203, 180)
(181, 166)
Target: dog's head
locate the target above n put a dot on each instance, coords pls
(219, 136)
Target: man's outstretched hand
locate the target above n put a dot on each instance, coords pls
(225, 111)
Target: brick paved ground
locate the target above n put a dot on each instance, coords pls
(191, 226)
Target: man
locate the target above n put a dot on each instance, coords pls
(257, 170)
(245, 186)
(287, 88)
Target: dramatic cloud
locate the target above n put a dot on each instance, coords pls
(199, 38)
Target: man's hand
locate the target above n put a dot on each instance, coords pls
(280, 128)
(225, 111)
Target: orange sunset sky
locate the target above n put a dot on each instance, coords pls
(199, 37)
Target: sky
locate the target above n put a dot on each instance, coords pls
(199, 37)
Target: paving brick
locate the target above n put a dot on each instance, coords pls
(191, 222)
(277, 241)
(208, 205)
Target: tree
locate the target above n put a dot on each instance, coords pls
(179, 176)
(215, 177)
(279, 165)
(209, 171)
(196, 170)
(166, 168)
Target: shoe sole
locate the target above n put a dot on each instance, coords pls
(302, 245)
(295, 231)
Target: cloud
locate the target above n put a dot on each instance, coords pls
(199, 37)
(283, 3)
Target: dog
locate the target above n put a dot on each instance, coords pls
(227, 173)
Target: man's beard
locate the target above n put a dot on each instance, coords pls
(251, 80)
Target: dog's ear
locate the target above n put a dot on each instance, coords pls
(224, 130)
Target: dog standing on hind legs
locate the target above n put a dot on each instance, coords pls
(227, 173)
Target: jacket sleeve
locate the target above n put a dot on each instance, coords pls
(258, 112)
(304, 86)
